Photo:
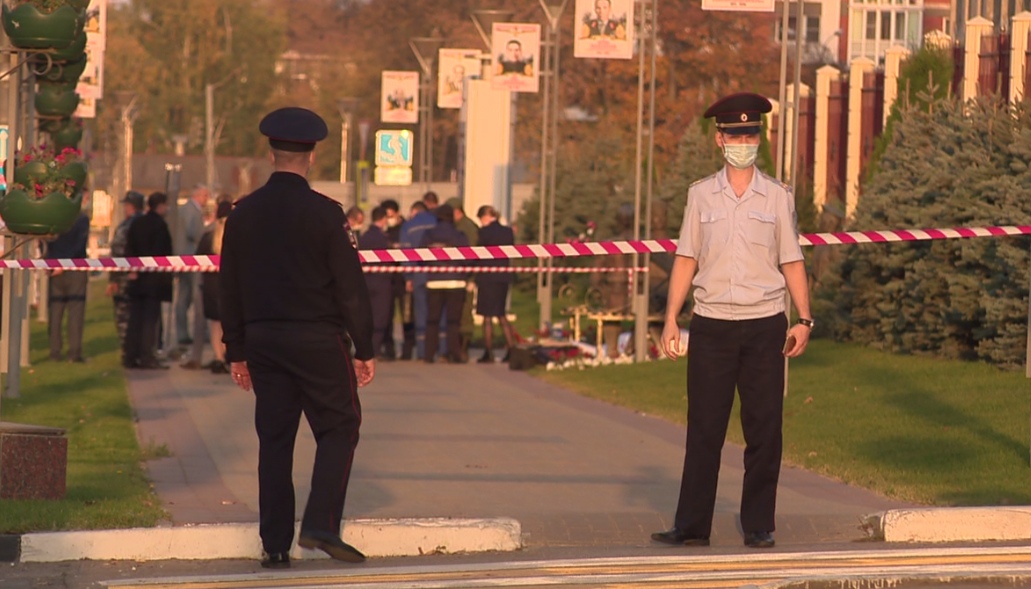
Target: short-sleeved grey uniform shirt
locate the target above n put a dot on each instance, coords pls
(739, 245)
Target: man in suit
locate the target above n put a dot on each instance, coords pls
(292, 301)
(381, 285)
(148, 236)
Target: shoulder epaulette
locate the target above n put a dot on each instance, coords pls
(332, 200)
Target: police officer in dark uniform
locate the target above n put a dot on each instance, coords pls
(292, 299)
(381, 285)
(739, 249)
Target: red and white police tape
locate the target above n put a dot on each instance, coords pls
(554, 250)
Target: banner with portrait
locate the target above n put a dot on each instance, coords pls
(604, 29)
(399, 101)
(515, 56)
(453, 67)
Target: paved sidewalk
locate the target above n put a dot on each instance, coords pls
(467, 442)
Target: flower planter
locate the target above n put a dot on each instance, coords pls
(76, 172)
(29, 172)
(53, 214)
(68, 72)
(56, 100)
(67, 136)
(73, 52)
(28, 28)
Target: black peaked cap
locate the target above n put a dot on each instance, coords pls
(293, 129)
(739, 114)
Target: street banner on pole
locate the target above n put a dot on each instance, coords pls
(400, 97)
(739, 5)
(455, 65)
(515, 48)
(604, 29)
(90, 86)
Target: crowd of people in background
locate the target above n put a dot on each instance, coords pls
(138, 296)
(432, 303)
(445, 300)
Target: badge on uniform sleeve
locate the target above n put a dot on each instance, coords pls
(351, 236)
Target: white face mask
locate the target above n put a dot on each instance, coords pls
(393, 222)
(740, 156)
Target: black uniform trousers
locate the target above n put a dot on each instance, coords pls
(723, 355)
(446, 302)
(141, 334)
(302, 368)
(381, 296)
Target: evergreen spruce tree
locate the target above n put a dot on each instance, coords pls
(947, 164)
(697, 157)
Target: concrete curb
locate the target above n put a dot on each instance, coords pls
(952, 524)
(374, 537)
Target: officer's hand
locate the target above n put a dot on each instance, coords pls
(365, 371)
(112, 289)
(241, 376)
(671, 344)
(800, 334)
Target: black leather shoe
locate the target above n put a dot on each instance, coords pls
(486, 359)
(676, 536)
(152, 365)
(276, 560)
(759, 540)
(331, 544)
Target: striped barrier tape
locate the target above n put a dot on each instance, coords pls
(554, 250)
(377, 269)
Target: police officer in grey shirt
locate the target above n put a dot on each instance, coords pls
(739, 249)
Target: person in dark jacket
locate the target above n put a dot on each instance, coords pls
(292, 299)
(402, 298)
(445, 291)
(66, 291)
(381, 285)
(118, 281)
(492, 295)
(148, 236)
(420, 220)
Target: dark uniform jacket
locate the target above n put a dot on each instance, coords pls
(376, 239)
(444, 235)
(118, 242)
(495, 234)
(149, 236)
(287, 256)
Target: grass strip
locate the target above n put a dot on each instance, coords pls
(918, 429)
(106, 485)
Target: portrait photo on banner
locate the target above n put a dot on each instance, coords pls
(454, 66)
(515, 48)
(604, 29)
(399, 102)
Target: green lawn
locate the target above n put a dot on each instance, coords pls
(106, 484)
(918, 429)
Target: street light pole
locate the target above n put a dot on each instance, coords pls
(213, 130)
(644, 168)
(346, 107)
(209, 137)
(425, 50)
(553, 10)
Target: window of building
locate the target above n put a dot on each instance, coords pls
(812, 29)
